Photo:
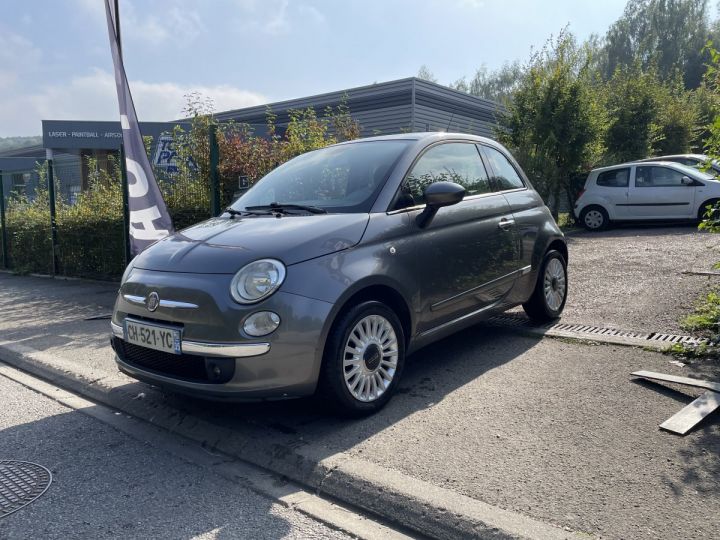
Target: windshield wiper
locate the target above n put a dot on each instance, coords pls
(283, 207)
(247, 212)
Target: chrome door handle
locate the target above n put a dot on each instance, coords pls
(506, 224)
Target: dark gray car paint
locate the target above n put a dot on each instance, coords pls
(223, 245)
(459, 270)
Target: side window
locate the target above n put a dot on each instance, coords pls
(506, 176)
(615, 178)
(451, 162)
(657, 177)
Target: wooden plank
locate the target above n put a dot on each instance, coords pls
(691, 414)
(700, 273)
(707, 385)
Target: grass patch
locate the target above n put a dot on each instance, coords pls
(702, 322)
(566, 222)
(705, 317)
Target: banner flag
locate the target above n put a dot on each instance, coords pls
(149, 217)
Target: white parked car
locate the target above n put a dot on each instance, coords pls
(696, 161)
(645, 191)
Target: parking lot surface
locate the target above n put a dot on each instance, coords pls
(552, 429)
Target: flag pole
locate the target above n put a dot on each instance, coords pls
(117, 26)
(123, 167)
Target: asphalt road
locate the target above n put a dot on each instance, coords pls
(108, 485)
(552, 429)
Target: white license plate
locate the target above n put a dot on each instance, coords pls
(153, 336)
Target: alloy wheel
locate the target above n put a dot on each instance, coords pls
(370, 358)
(554, 284)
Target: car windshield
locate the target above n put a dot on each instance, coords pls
(692, 172)
(346, 178)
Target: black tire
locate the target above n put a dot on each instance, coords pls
(594, 218)
(332, 384)
(702, 209)
(538, 308)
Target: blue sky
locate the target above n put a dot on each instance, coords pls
(55, 61)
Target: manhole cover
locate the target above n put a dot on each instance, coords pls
(21, 482)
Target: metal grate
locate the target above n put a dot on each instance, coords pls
(21, 482)
(590, 332)
(187, 367)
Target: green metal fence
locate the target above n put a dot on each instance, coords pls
(55, 220)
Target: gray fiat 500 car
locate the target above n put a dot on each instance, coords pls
(335, 266)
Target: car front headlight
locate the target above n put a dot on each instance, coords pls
(257, 280)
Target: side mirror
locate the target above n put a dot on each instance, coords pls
(437, 195)
(687, 181)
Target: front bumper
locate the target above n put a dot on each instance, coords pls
(213, 350)
(218, 361)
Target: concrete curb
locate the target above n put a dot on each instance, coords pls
(392, 495)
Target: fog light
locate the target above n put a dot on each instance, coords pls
(261, 323)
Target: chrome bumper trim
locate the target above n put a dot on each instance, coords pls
(117, 330)
(228, 350)
(222, 350)
(172, 304)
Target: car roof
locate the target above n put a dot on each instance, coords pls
(425, 135)
(700, 157)
(639, 162)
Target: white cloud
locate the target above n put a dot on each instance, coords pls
(138, 24)
(17, 53)
(93, 97)
(276, 17)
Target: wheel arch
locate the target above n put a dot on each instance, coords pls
(559, 245)
(380, 292)
(371, 288)
(701, 208)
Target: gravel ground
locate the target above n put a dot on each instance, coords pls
(631, 277)
(107, 485)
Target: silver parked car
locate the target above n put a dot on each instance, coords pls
(642, 191)
(335, 266)
(697, 161)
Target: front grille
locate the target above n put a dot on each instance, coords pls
(186, 367)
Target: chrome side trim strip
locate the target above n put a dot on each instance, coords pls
(459, 319)
(525, 270)
(117, 330)
(175, 304)
(229, 350)
(514, 273)
(172, 304)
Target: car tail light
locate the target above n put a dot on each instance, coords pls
(580, 194)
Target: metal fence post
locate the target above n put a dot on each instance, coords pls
(214, 173)
(126, 207)
(53, 221)
(3, 224)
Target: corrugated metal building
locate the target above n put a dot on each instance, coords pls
(404, 105)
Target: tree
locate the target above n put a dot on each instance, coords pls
(554, 122)
(631, 104)
(497, 85)
(425, 74)
(677, 124)
(668, 34)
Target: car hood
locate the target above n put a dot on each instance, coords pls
(223, 245)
